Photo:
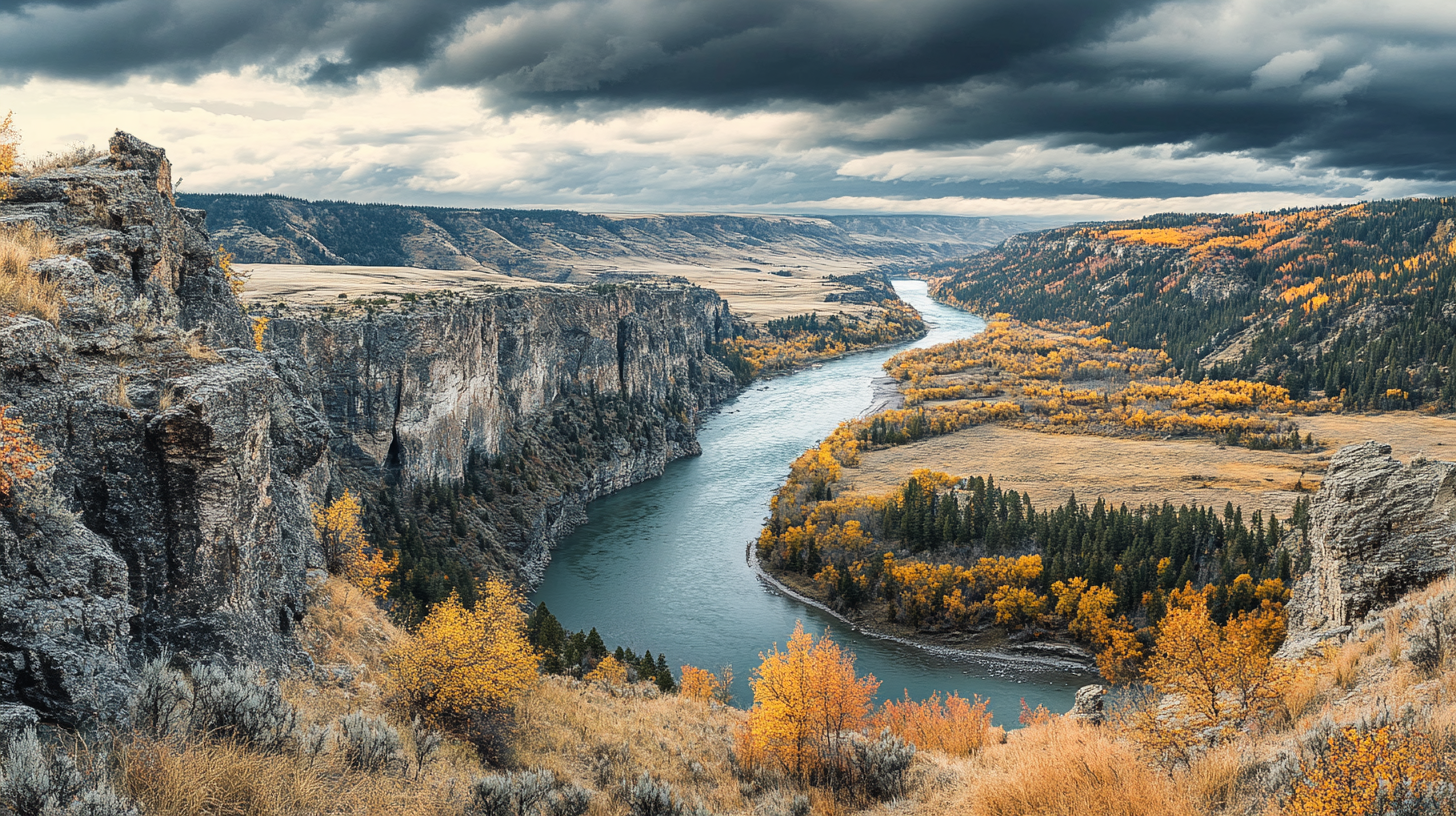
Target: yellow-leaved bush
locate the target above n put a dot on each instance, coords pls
(807, 702)
(347, 551)
(462, 662)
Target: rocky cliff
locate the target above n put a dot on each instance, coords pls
(175, 514)
(554, 396)
(1378, 529)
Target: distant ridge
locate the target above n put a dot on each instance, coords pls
(551, 244)
(1355, 302)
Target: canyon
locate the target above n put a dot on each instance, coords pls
(175, 512)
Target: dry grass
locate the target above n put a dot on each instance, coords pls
(1050, 467)
(604, 737)
(1344, 664)
(73, 156)
(1063, 768)
(21, 290)
(186, 778)
(198, 350)
(1213, 778)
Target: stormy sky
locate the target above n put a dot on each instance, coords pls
(1069, 108)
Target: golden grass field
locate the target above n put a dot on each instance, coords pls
(1051, 466)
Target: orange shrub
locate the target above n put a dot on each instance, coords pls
(951, 724)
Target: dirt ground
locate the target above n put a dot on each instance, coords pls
(753, 293)
(1050, 467)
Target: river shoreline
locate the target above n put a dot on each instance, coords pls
(1030, 662)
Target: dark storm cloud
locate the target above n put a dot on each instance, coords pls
(1335, 83)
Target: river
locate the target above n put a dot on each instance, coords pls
(662, 565)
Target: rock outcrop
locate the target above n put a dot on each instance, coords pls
(1087, 706)
(171, 516)
(1378, 529)
(175, 514)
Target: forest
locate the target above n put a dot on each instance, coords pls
(1352, 303)
(943, 553)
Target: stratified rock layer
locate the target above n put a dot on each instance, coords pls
(175, 514)
(1378, 529)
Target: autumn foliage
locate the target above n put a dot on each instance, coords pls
(347, 551)
(1364, 772)
(9, 139)
(1219, 678)
(466, 661)
(702, 685)
(951, 724)
(21, 457)
(807, 704)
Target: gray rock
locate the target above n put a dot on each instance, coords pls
(14, 719)
(1087, 705)
(1378, 529)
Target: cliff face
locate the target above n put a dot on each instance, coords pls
(171, 516)
(1378, 529)
(439, 390)
(175, 514)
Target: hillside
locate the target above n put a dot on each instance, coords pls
(552, 244)
(1351, 302)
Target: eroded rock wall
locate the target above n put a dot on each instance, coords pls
(1378, 529)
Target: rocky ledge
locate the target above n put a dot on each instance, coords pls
(1378, 529)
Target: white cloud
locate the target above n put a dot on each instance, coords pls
(1286, 69)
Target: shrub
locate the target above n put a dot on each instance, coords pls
(1367, 770)
(369, 743)
(952, 724)
(239, 704)
(426, 743)
(881, 769)
(21, 457)
(36, 781)
(1427, 650)
(529, 793)
(462, 663)
(160, 701)
(652, 798)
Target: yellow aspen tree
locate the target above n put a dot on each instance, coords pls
(806, 701)
(1222, 676)
(464, 661)
(340, 532)
(21, 457)
(374, 573)
(610, 671)
(697, 684)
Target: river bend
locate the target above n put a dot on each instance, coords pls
(662, 565)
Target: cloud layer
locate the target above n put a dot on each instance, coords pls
(941, 105)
